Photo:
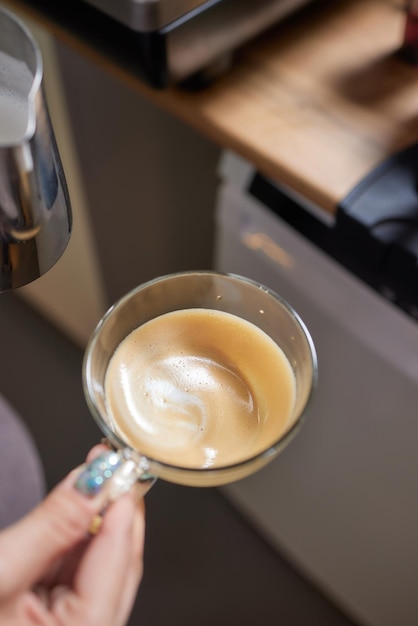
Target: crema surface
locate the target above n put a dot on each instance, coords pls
(199, 388)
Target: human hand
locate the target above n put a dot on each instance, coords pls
(54, 573)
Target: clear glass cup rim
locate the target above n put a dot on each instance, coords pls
(119, 443)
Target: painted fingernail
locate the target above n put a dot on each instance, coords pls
(97, 473)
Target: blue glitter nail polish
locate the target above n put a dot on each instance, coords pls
(98, 472)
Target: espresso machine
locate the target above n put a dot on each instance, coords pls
(174, 40)
(165, 42)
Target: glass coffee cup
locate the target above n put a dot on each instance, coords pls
(212, 313)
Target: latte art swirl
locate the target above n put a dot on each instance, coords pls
(199, 388)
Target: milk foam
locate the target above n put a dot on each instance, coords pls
(15, 83)
(190, 389)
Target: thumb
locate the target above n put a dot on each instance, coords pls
(29, 548)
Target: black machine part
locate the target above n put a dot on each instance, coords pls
(377, 228)
(375, 232)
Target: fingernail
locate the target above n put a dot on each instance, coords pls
(98, 472)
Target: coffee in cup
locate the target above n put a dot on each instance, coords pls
(200, 388)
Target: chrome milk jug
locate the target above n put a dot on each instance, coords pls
(35, 213)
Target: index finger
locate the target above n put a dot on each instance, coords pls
(32, 545)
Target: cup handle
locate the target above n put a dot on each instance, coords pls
(115, 471)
